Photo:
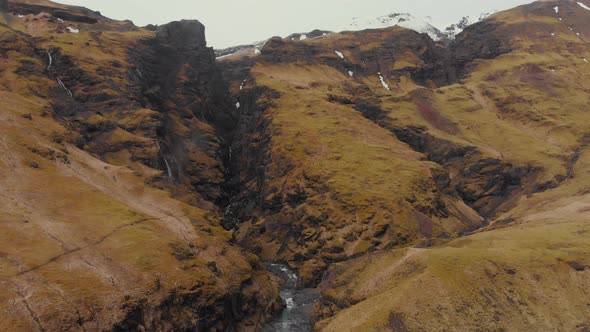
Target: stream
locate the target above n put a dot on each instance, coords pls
(296, 317)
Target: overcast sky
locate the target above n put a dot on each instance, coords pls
(234, 22)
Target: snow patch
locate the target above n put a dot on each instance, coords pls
(73, 30)
(225, 56)
(303, 37)
(583, 6)
(20, 16)
(556, 8)
(385, 85)
(256, 51)
(350, 73)
(238, 105)
(339, 54)
(453, 30)
(585, 60)
(553, 34)
(60, 20)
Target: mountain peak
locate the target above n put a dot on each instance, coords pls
(404, 20)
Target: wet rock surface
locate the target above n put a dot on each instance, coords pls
(297, 312)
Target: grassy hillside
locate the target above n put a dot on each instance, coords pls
(87, 243)
(383, 142)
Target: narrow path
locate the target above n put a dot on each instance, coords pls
(100, 240)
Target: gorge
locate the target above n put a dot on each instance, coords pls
(374, 180)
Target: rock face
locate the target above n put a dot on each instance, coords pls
(112, 140)
(289, 203)
(176, 76)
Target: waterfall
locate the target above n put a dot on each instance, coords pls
(50, 59)
(168, 168)
(165, 160)
(63, 86)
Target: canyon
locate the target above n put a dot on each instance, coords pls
(354, 181)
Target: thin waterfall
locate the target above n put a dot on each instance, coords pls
(50, 59)
(63, 86)
(165, 160)
(168, 168)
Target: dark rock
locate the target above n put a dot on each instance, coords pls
(175, 74)
(577, 266)
(181, 35)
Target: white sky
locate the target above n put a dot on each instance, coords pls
(235, 22)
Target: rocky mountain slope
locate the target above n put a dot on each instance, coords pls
(354, 144)
(415, 184)
(404, 20)
(112, 168)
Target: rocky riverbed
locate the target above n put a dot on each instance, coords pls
(296, 316)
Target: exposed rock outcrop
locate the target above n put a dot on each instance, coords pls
(101, 127)
(177, 76)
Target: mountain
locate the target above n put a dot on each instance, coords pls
(388, 180)
(423, 186)
(106, 131)
(404, 20)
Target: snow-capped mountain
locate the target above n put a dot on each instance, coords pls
(422, 25)
(454, 29)
(253, 48)
(404, 20)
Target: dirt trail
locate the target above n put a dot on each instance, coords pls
(119, 183)
(575, 209)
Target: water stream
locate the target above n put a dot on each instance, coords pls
(50, 59)
(168, 168)
(296, 317)
(63, 86)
